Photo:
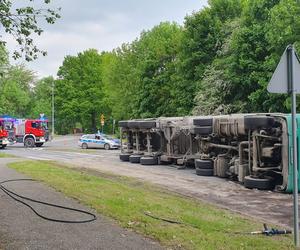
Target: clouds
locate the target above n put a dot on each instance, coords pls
(102, 24)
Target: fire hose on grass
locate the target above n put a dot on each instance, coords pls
(266, 231)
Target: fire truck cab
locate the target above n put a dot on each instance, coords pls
(3, 134)
(30, 132)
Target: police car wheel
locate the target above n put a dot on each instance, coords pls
(84, 146)
(106, 146)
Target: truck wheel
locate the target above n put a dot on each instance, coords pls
(123, 124)
(262, 184)
(204, 164)
(106, 146)
(148, 160)
(133, 124)
(201, 130)
(203, 122)
(29, 142)
(124, 157)
(147, 124)
(84, 146)
(39, 144)
(204, 172)
(256, 122)
(3, 146)
(135, 158)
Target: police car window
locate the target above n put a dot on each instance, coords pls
(98, 137)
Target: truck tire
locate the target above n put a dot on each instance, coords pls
(147, 124)
(259, 183)
(149, 160)
(256, 122)
(135, 158)
(204, 164)
(123, 124)
(3, 146)
(203, 122)
(39, 144)
(124, 157)
(133, 124)
(29, 142)
(204, 172)
(201, 130)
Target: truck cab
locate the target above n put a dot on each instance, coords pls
(30, 132)
(45, 126)
(3, 134)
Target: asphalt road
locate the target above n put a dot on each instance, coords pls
(266, 206)
(20, 228)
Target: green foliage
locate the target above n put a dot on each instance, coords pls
(237, 78)
(42, 97)
(138, 76)
(79, 95)
(22, 23)
(15, 94)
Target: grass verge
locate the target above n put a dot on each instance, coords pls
(125, 200)
(5, 155)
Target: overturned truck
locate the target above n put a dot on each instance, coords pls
(253, 149)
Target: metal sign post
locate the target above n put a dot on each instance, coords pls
(286, 79)
(292, 91)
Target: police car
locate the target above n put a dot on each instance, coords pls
(98, 141)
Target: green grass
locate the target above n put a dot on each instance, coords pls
(126, 199)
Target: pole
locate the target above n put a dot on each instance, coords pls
(292, 91)
(114, 122)
(52, 109)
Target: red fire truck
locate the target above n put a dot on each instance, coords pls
(30, 132)
(3, 134)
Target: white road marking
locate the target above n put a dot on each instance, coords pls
(38, 158)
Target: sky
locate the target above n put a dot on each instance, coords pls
(100, 24)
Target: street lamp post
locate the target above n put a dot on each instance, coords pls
(52, 109)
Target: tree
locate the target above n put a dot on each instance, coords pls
(15, 92)
(138, 76)
(205, 33)
(42, 97)
(79, 90)
(22, 23)
(157, 50)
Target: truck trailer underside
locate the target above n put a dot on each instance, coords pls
(252, 149)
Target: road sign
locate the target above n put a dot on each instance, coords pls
(279, 81)
(102, 119)
(286, 79)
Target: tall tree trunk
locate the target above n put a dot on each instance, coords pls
(93, 117)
